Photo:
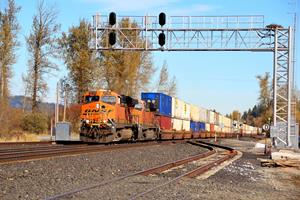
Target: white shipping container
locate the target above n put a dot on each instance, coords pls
(207, 127)
(203, 113)
(177, 108)
(173, 106)
(186, 124)
(186, 111)
(211, 117)
(195, 113)
(221, 120)
(227, 129)
(177, 124)
(217, 118)
(227, 121)
(217, 128)
(180, 109)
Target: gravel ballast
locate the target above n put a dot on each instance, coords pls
(43, 178)
(242, 179)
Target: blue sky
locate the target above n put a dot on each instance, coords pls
(221, 80)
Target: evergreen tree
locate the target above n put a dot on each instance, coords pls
(80, 60)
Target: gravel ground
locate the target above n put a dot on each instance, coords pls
(42, 178)
(242, 179)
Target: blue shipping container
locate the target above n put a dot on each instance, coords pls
(202, 126)
(162, 102)
(195, 126)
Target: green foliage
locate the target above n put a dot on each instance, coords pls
(262, 112)
(123, 71)
(80, 60)
(9, 29)
(35, 122)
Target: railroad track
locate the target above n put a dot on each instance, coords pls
(2, 144)
(215, 155)
(29, 153)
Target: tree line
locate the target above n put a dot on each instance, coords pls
(262, 112)
(124, 72)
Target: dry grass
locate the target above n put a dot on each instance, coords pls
(23, 137)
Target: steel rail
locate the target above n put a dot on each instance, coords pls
(24, 143)
(146, 171)
(194, 173)
(44, 153)
(39, 148)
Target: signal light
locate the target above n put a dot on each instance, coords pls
(161, 39)
(112, 38)
(112, 18)
(162, 19)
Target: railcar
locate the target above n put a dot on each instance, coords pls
(107, 116)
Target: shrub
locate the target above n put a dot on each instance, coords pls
(35, 123)
(10, 120)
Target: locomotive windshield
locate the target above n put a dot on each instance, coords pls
(89, 99)
(109, 99)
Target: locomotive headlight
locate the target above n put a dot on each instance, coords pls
(87, 121)
(97, 106)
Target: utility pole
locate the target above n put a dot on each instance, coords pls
(66, 88)
(57, 104)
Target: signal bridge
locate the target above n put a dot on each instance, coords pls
(211, 33)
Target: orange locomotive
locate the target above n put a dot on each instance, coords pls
(107, 116)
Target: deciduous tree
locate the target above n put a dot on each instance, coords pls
(127, 72)
(41, 45)
(165, 85)
(9, 28)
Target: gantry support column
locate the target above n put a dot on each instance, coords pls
(283, 130)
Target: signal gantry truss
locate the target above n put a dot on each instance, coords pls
(213, 33)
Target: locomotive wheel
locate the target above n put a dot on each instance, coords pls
(123, 134)
(149, 135)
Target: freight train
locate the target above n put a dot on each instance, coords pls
(107, 116)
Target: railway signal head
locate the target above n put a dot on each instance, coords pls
(162, 39)
(162, 19)
(112, 38)
(112, 18)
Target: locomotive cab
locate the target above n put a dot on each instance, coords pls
(107, 116)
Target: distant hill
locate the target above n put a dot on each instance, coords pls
(25, 102)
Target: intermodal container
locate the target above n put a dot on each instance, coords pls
(177, 108)
(187, 111)
(216, 128)
(195, 126)
(176, 124)
(207, 127)
(202, 126)
(186, 125)
(217, 118)
(203, 113)
(212, 128)
(162, 102)
(164, 122)
(210, 117)
(195, 113)
(226, 121)
(180, 109)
